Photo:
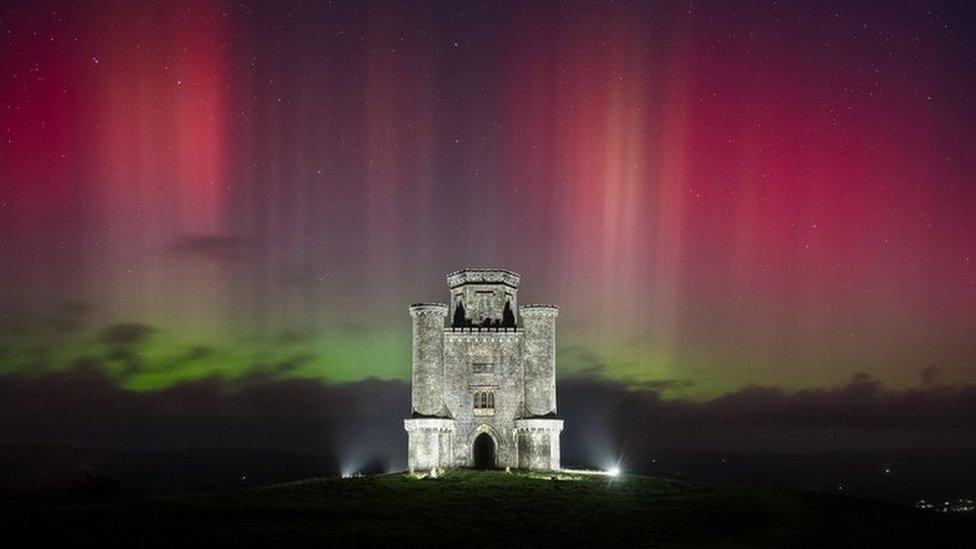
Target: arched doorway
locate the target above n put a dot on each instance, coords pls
(484, 452)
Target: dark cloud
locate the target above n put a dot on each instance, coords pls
(858, 415)
(663, 384)
(862, 402)
(82, 406)
(284, 367)
(593, 371)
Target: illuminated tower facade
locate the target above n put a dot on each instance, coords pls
(483, 389)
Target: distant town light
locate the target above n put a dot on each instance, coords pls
(614, 471)
(960, 505)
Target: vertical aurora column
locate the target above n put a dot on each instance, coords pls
(539, 358)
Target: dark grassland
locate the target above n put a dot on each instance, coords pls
(471, 508)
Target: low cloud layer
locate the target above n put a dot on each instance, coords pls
(858, 415)
(362, 421)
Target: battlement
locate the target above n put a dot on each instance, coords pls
(483, 276)
(482, 329)
(429, 307)
(539, 309)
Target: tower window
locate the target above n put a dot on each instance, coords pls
(484, 402)
(482, 367)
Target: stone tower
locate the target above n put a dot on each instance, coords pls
(483, 387)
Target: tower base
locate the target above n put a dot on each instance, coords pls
(430, 443)
(538, 443)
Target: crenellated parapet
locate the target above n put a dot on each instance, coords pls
(483, 276)
(428, 308)
(539, 309)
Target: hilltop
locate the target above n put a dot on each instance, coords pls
(492, 508)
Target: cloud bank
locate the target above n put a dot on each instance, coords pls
(361, 421)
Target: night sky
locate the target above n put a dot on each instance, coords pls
(720, 198)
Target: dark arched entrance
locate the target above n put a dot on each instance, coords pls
(484, 452)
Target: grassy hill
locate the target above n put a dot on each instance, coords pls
(492, 508)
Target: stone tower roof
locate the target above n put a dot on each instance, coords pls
(483, 276)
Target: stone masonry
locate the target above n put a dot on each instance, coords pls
(484, 378)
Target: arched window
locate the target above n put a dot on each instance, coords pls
(484, 403)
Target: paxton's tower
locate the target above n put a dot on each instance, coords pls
(484, 378)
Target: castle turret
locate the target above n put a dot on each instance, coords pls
(427, 383)
(539, 358)
(483, 297)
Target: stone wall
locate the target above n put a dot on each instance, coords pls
(502, 350)
(538, 443)
(539, 357)
(426, 388)
(430, 443)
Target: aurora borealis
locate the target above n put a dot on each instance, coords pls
(716, 196)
